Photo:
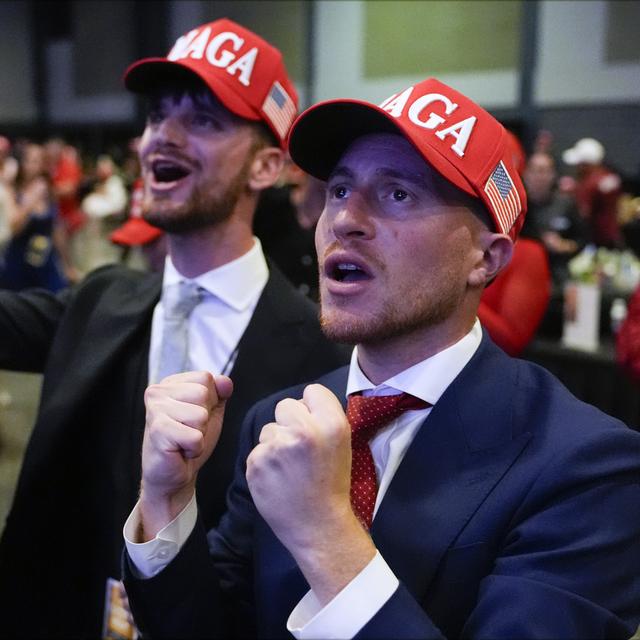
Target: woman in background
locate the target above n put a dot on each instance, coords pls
(31, 258)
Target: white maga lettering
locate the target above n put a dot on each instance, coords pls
(195, 49)
(434, 119)
(194, 45)
(396, 103)
(461, 132)
(181, 45)
(226, 57)
(245, 64)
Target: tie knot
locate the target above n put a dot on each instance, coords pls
(367, 415)
(181, 298)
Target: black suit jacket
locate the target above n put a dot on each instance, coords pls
(513, 514)
(81, 470)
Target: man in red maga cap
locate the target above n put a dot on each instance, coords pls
(220, 105)
(435, 487)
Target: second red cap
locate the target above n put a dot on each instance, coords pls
(454, 135)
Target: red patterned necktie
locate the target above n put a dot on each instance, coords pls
(367, 415)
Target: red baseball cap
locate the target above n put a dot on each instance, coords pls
(459, 139)
(243, 71)
(136, 230)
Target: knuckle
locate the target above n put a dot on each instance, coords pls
(201, 415)
(197, 440)
(201, 395)
(282, 409)
(311, 390)
(283, 404)
(302, 440)
(151, 393)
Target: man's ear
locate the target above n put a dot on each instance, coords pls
(265, 168)
(497, 252)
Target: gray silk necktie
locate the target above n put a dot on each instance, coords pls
(178, 302)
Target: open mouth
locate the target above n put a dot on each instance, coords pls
(168, 171)
(343, 271)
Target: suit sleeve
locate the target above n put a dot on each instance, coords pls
(28, 323)
(568, 565)
(207, 590)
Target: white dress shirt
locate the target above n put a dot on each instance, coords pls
(360, 600)
(217, 323)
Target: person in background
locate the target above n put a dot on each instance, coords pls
(8, 163)
(136, 235)
(288, 240)
(307, 195)
(108, 195)
(65, 172)
(104, 206)
(553, 216)
(213, 141)
(32, 257)
(436, 487)
(131, 163)
(7, 208)
(7, 196)
(627, 338)
(597, 191)
(514, 306)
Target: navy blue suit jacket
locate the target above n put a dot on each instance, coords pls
(514, 514)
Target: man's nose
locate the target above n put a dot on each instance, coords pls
(170, 131)
(353, 219)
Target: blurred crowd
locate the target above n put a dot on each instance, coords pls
(581, 226)
(63, 214)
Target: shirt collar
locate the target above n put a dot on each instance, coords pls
(236, 283)
(426, 380)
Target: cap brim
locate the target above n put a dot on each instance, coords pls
(321, 135)
(135, 232)
(151, 74)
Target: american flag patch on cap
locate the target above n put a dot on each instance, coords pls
(279, 108)
(504, 197)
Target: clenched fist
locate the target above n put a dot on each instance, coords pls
(184, 419)
(299, 476)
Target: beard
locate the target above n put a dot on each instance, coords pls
(201, 209)
(397, 316)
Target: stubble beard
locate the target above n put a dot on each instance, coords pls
(428, 308)
(201, 209)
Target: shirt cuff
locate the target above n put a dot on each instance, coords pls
(350, 610)
(149, 558)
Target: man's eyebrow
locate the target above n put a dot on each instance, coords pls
(384, 172)
(341, 172)
(419, 179)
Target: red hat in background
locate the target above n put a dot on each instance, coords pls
(243, 71)
(136, 230)
(459, 139)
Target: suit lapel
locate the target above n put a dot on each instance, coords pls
(460, 452)
(121, 315)
(267, 348)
